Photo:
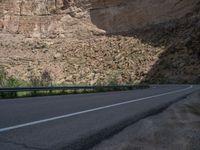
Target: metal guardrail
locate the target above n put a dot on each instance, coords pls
(54, 88)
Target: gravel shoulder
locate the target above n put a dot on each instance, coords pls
(176, 128)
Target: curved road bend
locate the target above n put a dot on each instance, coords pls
(75, 122)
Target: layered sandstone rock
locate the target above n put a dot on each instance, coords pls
(62, 18)
(43, 19)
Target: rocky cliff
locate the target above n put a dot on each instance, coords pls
(90, 41)
(64, 18)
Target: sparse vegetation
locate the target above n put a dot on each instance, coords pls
(39, 45)
(10, 81)
(45, 80)
(2, 77)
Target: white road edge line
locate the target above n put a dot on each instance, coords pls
(90, 110)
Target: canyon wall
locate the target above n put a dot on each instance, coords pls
(124, 15)
(68, 18)
(98, 41)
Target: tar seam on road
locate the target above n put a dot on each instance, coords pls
(90, 110)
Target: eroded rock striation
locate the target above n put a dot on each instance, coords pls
(43, 18)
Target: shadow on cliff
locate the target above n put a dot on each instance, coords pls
(180, 62)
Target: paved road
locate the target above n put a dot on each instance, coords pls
(78, 121)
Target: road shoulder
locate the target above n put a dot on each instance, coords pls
(177, 127)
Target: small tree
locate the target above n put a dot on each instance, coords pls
(41, 80)
(46, 79)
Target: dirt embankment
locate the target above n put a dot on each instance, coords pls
(178, 127)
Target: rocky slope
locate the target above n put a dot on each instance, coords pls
(92, 41)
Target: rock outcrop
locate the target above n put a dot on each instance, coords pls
(68, 18)
(92, 41)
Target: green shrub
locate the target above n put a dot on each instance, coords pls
(12, 82)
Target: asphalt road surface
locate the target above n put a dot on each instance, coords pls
(78, 122)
